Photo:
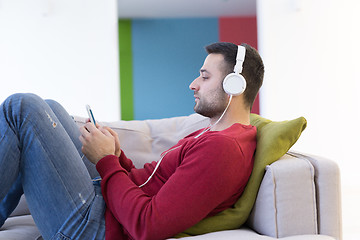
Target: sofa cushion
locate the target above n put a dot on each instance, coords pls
(21, 209)
(286, 201)
(248, 234)
(19, 228)
(274, 139)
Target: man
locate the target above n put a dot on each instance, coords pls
(200, 176)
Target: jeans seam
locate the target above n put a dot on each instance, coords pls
(60, 236)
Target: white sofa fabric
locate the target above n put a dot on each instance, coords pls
(299, 197)
(287, 183)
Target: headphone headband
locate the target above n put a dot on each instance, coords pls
(240, 57)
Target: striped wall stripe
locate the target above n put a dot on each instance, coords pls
(126, 70)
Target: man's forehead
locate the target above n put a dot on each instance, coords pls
(215, 57)
(213, 62)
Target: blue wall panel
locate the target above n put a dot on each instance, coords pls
(167, 56)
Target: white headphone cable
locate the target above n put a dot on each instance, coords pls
(157, 165)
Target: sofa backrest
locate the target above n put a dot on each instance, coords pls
(152, 137)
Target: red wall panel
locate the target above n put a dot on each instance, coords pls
(240, 30)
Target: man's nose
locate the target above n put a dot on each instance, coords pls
(194, 86)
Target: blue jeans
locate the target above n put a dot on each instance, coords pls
(40, 152)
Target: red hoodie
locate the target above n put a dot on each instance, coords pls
(199, 178)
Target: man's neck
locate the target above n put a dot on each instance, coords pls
(230, 119)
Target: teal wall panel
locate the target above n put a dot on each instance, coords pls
(167, 56)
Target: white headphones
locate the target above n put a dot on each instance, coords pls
(234, 83)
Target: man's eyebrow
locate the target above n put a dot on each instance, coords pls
(204, 71)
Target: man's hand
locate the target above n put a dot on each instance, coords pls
(98, 142)
(117, 142)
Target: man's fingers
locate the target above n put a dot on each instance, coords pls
(115, 137)
(90, 127)
(112, 132)
(106, 132)
(84, 131)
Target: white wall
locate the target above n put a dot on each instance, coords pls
(66, 50)
(311, 53)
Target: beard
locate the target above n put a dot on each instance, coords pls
(213, 105)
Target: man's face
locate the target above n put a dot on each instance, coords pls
(210, 99)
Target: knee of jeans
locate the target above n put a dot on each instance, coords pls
(23, 98)
(23, 104)
(52, 103)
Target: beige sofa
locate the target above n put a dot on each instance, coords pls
(299, 196)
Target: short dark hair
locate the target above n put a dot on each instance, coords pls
(253, 67)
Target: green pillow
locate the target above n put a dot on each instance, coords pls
(274, 139)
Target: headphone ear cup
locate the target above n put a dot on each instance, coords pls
(234, 84)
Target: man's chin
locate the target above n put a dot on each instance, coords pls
(204, 114)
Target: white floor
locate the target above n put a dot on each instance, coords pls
(351, 212)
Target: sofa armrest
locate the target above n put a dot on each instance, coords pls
(286, 201)
(328, 194)
(299, 194)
